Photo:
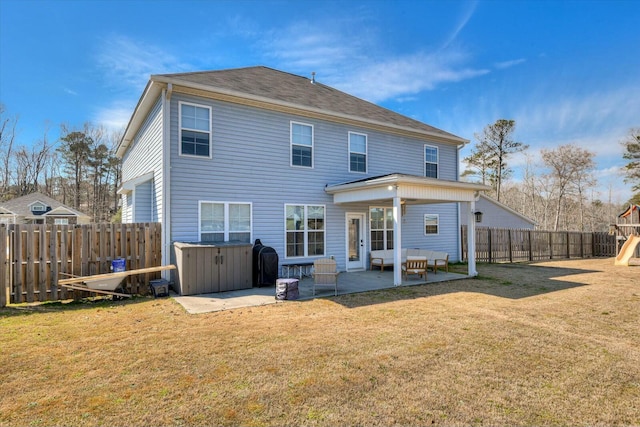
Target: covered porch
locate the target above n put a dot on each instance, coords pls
(398, 190)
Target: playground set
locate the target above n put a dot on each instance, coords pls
(627, 229)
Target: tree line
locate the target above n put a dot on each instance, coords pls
(80, 169)
(557, 190)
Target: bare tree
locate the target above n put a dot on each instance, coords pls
(569, 168)
(7, 141)
(632, 153)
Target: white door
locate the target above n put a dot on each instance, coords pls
(355, 241)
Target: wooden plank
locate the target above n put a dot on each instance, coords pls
(97, 291)
(64, 256)
(43, 295)
(103, 254)
(53, 260)
(117, 274)
(29, 278)
(85, 250)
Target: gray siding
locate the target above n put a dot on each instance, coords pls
(494, 215)
(251, 163)
(145, 155)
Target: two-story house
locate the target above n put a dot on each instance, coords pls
(256, 153)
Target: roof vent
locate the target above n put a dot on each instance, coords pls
(313, 77)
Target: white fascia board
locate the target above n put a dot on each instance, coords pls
(130, 185)
(151, 93)
(414, 188)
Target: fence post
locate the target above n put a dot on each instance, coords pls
(568, 245)
(530, 246)
(550, 244)
(4, 264)
(509, 242)
(489, 245)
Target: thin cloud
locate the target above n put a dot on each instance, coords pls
(408, 75)
(509, 64)
(305, 48)
(129, 63)
(114, 117)
(70, 91)
(468, 13)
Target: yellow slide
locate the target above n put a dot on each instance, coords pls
(627, 250)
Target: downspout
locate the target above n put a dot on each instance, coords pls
(166, 177)
(459, 232)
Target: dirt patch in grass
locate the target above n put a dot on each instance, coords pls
(553, 343)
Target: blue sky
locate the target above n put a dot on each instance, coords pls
(565, 71)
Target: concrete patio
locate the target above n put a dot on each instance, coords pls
(348, 283)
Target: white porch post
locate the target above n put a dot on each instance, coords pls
(471, 239)
(397, 241)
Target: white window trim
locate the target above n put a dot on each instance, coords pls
(424, 158)
(38, 204)
(210, 132)
(61, 221)
(226, 217)
(424, 224)
(385, 229)
(306, 231)
(366, 151)
(291, 144)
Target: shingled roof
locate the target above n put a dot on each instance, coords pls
(271, 84)
(20, 205)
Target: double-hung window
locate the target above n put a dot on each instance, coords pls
(431, 223)
(301, 145)
(195, 130)
(225, 221)
(430, 161)
(381, 226)
(305, 230)
(357, 152)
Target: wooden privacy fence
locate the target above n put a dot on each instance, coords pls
(34, 257)
(513, 245)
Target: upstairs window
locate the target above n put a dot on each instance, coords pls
(195, 130)
(225, 221)
(301, 145)
(430, 161)
(357, 152)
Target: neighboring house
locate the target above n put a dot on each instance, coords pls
(497, 215)
(36, 208)
(256, 153)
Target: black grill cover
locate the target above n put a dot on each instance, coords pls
(265, 265)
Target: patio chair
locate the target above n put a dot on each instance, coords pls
(325, 274)
(415, 265)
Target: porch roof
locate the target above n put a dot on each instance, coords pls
(411, 189)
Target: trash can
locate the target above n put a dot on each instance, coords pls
(118, 264)
(287, 289)
(159, 287)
